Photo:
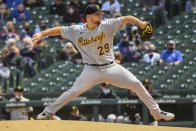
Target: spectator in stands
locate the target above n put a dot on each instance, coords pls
(20, 14)
(10, 42)
(124, 45)
(111, 6)
(189, 5)
(13, 3)
(33, 3)
(74, 12)
(151, 46)
(171, 56)
(9, 32)
(151, 57)
(5, 14)
(26, 31)
(3, 114)
(4, 74)
(19, 113)
(135, 36)
(29, 53)
(69, 52)
(14, 59)
(76, 115)
(57, 8)
(93, 2)
(42, 26)
(4, 70)
(134, 55)
(117, 55)
(107, 113)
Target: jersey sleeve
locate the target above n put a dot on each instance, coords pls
(67, 32)
(115, 24)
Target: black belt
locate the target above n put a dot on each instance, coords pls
(100, 65)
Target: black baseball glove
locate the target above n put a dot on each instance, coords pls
(147, 32)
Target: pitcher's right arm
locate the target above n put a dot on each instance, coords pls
(56, 31)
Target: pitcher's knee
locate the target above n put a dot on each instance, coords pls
(72, 91)
(135, 84)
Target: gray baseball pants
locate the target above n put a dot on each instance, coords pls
(116, 75)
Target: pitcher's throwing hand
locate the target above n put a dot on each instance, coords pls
(37, 37)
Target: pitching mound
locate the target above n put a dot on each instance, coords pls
(49, 125)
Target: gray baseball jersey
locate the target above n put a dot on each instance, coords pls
(95, 46)
(19, 113)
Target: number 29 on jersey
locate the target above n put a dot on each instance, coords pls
(103, 48)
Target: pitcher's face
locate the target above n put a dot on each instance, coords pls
(95, 18)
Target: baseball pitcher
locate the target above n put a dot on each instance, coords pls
(94, 40)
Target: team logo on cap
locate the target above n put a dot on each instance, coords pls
(19, 87)
(98, 7)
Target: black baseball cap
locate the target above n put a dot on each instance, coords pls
(18, 89)
(92, 9)
(146, 81)
(74, 109)
(105, 84)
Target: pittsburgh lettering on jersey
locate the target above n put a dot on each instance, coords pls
(86, 41)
